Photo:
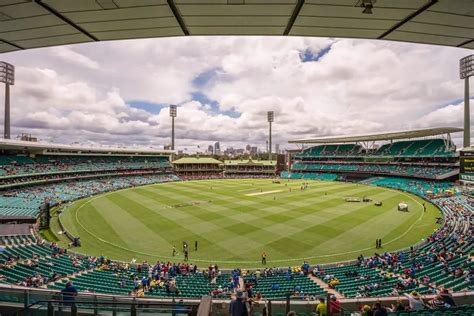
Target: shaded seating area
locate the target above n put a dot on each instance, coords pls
(22, 165)
(431, 147)
(382, 169)
(309, 176)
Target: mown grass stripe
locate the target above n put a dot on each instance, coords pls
(233, 229)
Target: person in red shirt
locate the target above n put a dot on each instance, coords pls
(334, 306)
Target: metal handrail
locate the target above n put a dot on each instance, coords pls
(73, 304)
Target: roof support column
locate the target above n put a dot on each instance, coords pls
(448, 141)
(467, 115)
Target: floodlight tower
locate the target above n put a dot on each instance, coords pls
(7, 76)
(466, 70)
(173, 114)
(270, 117)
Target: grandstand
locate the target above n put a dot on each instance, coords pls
(33, 182)
(250, 168)
(425, 155)
(36, 176)
(197, 167)
(442, 261)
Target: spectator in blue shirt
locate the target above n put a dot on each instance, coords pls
(69, 292)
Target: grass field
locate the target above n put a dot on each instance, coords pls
(234, 220)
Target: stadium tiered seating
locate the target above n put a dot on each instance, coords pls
(418, 187)
(408, 148)
(28, 201)
(390, 169)
(11, 166)
(191, 285)
(352, 280)
(416, 148)
(17, 240)
(281, 286)
(342, 150)
(443, 261)
(98, 281)
(46, 266)
(22, 258)
(12, 206)
(308, 176)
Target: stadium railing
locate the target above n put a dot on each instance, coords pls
(21, 301)
(38, 302)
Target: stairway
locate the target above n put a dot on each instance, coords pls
(325, 286)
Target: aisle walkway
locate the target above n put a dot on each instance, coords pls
(325, 286)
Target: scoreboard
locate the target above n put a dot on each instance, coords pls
(466, 164)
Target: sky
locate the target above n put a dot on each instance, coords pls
(118, 92)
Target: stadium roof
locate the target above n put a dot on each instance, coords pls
(28, 24)
(197, 160)
(47, 148)
(237, 162)
(379, 136)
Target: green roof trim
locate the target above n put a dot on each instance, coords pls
(249, 162)
(197, 160)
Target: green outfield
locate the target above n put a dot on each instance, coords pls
(235, 220)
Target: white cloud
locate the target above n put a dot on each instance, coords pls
(69, 55)
(82, 92)
(450, 115)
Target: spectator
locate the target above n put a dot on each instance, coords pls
(321, 308)
(379, 310)
(447, 298)
(415, 301)
(69, 292)
(366, 311)
(238, 307)
(437, 302)
(334, 306)
(399, 307)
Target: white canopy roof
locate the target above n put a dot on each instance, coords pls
(40, 147)
(379, 136)
(28, 24)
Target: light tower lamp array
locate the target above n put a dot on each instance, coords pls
(270, 117)
(173, 114)
(7, 76)
(466, 70)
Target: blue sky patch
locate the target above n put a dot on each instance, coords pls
(204, 77)
(452, 102)
(150, 107)
(201, 97)
(307, 55)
